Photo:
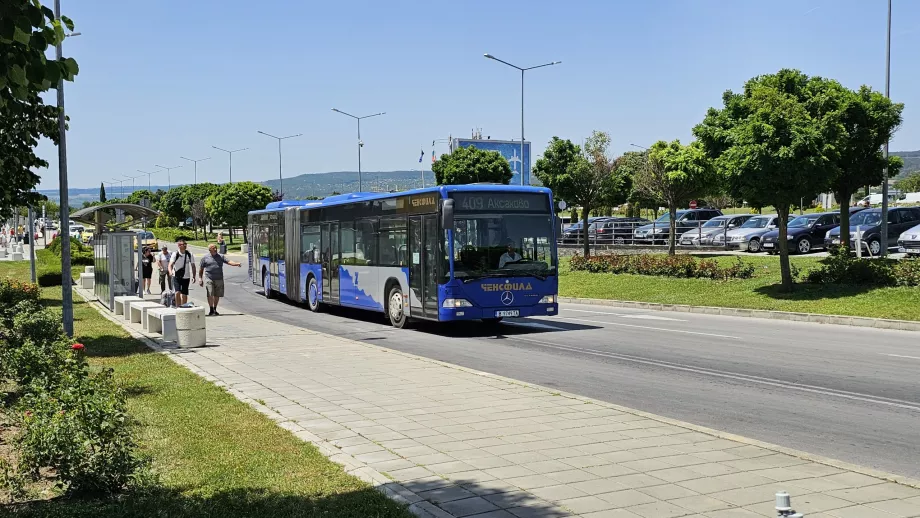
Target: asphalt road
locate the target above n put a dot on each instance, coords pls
(848, 393)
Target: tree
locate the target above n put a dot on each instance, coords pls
(675, 174)
(589, 179)
(910, 183)
(102, 192)
(27, 31)
(471, 165)
(553, 168)
(869, 119)
(775, 142)
(190, 198)
(231, 203)
(172, 203)
(199, 215)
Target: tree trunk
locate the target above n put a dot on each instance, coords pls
(782, 211)
(585, 213)
(245, 237)
(230, 230)
(672, 226)
(844, 194)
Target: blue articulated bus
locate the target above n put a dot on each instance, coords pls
(457, 252)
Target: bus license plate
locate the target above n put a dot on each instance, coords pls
(508, 313)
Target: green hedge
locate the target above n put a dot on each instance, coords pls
(664, 265)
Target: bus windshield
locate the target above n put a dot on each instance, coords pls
(482, 243)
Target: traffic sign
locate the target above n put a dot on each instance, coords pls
(693, 204)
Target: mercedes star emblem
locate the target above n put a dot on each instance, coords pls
(507, 297)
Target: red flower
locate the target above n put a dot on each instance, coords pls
(78, 347)
(28, 413)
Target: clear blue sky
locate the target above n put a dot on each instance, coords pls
(174, 77)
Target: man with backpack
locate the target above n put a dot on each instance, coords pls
(182, 271)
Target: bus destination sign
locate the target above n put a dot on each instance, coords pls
(501, 201)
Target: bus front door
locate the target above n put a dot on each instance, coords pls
(423, 266)
(330, 261)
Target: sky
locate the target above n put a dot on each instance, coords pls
(170, 78)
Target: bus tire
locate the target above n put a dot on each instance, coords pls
(313, 294)
(266, 285)
(395, 308)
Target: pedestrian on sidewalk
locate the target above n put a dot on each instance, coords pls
(182, 270)
(163, 263)
(147, 268)
(221, 245)
(212, 267)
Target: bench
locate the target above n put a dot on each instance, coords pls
(138, 309)
(162, 320)
(123, 302)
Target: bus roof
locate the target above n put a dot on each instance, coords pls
(443, 190)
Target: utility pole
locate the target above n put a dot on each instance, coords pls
(279, 139)
(884, 251)
(67, 281)
(196, 165)
(148, 179)
(360, 143)
(168, 177)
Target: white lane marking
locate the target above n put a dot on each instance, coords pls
(901, 356)
(652, 328)
(738, 377)
(627, 315)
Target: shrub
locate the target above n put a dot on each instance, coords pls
(12, 292)
(81, 430)
(842, 268)
(684, 266)
(75, 246)
(907, 272)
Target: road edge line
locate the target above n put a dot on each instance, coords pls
(816, 318)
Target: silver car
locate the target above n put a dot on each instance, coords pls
(704, 235)
(747, 236)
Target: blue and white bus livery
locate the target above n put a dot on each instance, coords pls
(459, 252)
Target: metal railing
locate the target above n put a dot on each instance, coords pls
(652, 234)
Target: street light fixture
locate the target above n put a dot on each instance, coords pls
(149, 188)
(121, 186)
(490, 56)
(360, 144)
(168, 177)
(231, 157)
(279, 139)
(196, 165)
(132, 180)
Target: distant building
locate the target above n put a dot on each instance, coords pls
(509, 149)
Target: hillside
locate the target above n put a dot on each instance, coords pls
(911, 162)
(323, 184)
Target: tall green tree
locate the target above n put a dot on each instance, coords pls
(102, 192)
(172, 203)
(471, 165)
(27, 30)
(676, 174)
(776, 142)
(552, 168)
(869, 119)
(591, 179)
(193, 203)
(910, 183)
(232, 203)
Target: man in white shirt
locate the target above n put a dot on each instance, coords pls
(182, 271)
(510, 256)
(163, 263)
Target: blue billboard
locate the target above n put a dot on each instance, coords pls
(509, 149)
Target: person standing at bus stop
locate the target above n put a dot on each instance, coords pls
(212, 267)
(221, 245)
(182, 271)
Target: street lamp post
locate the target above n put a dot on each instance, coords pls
(168, 177)
(884, 229)
(360, 144)
(279, 139)
(121, 186)
(149, 188)
(194, 161)
(229, 152)
(490, 56)
(132, 180)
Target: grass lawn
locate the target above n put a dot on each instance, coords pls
(45, 263)
(215, 456)
(761, 292)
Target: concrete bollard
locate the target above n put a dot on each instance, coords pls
(244, 248)
(89, 269)
(190, 327)
(19, 249)
(87, 281)
(16, 256)
(784, 506)
(2, 252)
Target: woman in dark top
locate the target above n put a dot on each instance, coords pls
(147, 268)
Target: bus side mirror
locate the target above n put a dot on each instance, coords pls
(447, 214)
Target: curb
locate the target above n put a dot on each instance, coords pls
(817, 318)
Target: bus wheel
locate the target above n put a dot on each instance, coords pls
(266, 286)
(313, 295)
(491, 321)
(395, 311)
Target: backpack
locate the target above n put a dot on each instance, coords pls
(168, 298)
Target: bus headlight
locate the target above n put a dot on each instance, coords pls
(549, 299)
(456, 303)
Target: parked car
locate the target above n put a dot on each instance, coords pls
(748, 236)
(909, 242)
(869, 222)
(573, 235)
(703, 236)
(614, 230)
(659, 230)
(804, 233)
(148, 240)
(76, 232)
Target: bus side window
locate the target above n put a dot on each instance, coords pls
(392, 241)
(309, 243)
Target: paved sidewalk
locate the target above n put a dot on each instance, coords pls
(454, 442)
